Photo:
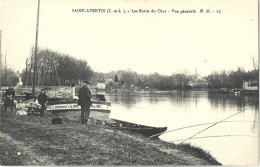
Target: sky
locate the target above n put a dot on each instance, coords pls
(143, 42)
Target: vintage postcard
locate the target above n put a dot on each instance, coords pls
(129, 82)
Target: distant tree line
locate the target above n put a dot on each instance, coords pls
(154, 81)
(233, 79)
(55, 69)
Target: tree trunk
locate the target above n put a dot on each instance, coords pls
(26, 67)
(42, 78)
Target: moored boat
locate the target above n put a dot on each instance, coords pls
(146, 131)
(63, 105)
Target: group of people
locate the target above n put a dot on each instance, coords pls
(84, 101)
(9, 100)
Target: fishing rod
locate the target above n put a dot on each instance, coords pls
(213, 125)
(217, 136)
(191, 126)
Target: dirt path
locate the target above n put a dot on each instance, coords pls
(32, 158)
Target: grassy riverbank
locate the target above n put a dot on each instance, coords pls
(32, 140)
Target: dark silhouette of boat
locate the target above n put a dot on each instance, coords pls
(146, 131)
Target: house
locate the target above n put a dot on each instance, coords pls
(197, 81)
(101, 84)
(109, 80)
(250, 85)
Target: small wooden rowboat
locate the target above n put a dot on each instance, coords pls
(146, 131)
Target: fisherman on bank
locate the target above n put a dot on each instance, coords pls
(42, 99)
(85, 101)
(9, 99)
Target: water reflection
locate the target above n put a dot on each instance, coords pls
(176, 109)
(255, 124)
(227, 101)
(126, 98)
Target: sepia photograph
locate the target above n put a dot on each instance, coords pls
(129, 82)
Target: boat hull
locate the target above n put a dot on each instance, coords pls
(73, 106)
(149, 131)
(146, 131)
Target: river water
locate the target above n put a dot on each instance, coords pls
(232, 142)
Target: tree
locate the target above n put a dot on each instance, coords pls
(128, 77)
(11, 79)
(56, 69)
(139, 83)
(116, 79)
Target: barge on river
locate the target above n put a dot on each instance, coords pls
(99, 104)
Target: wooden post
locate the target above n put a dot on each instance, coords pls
(35, 52)
(0, 62)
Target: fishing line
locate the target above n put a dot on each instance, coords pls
(213, 125)
(191, 126)
(217, 136)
